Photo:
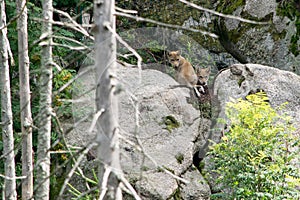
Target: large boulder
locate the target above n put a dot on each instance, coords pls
(168, 130)
(159, 133)
(239, 80)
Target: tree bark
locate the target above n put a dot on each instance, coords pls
(42, 185)
(6, 112)
(26, 118)
(107, 125)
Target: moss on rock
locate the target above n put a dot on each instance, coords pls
(170, 122)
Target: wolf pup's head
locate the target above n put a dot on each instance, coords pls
(203, 75)
(174, 58)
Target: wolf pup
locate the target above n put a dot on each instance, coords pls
(186, 74)
(203, 76)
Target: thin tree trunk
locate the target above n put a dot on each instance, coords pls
(26, 119)
(6, 112)
(107, 125)
(44, 133)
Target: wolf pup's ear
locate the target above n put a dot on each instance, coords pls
(178, 52)
(208, 69)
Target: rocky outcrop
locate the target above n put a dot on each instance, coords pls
(159, 133)
(260, 9)
(240, 80)
(275, 43)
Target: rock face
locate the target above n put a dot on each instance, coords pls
(261, 8)
(269, 44)
(275, 43)
(159, 134)
(168, 129)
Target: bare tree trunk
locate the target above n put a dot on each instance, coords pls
(44, 121)
(6, 112)
(26, 119)
(107, 125)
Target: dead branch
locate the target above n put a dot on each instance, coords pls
(137, 18)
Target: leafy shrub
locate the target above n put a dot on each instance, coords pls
(60, 79)
(256, 158)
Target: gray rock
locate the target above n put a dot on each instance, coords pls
(197, 189)
(280, 22)
(239, 80)
(280, 86)
(232, 24)
(168, 131)
(265, 50)
(268, 44)
(171, 149)
(260, 8)
(156, 186)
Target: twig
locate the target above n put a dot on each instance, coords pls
(12, 178)
(71, 81)
(86, 192)
(120, 176)
(104, 181)
(73, 22)
(129, 187)
(14, 18)
(126, 11)
(60, 128)
(71, 40)
(60, 151)
(89, 147)
(70, 174)
(69, 25)
(12, 61)
(221, 14)
(95, 118)
(80, 48)
(55, 65)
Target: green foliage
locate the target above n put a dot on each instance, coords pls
(179, 157)
(190, 51)
(177, 194)
(256, 157)
(93, 192)
(170, 122)
(34, 31)
(152, 54)
(294, 45)
(62, 55)
(290, 8)
(59, 80)
(205, 109)
(228, 6)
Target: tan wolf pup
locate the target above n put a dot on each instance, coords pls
(186, 74)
